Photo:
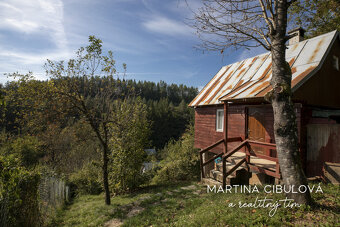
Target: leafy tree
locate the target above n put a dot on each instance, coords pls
(224, 24)
(69, 80)
(316, 16)
(131, 136)
(30, 104)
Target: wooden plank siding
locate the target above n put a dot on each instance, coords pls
(205, 125)
(323, 146)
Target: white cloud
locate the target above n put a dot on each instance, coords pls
(167, 26)
(14, 61)
(34, 58)
(31, 19)
(35, 17)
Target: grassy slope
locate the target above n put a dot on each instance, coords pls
(172, 205)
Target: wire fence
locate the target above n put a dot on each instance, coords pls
(53, 193)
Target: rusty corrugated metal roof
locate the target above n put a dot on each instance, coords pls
(250, 78)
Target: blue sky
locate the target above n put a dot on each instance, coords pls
(150, 36)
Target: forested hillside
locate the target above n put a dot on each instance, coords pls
(27, 99)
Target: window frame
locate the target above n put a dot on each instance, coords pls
(217, 118)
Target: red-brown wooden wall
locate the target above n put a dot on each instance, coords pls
(205, 124)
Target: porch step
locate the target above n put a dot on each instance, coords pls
(239, 176)
(236, 157)
(229, 166)
(211, 182)
(217, 175)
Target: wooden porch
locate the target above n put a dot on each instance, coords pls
(242, 155)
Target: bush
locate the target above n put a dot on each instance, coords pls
(19, 205)
(26, 149)
(130, 137)
(180, 160)
(87, 180)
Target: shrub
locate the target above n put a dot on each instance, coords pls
(26, 149)
(19, 203)
(87, 180)
(180, 160)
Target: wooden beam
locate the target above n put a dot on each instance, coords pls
(211, 146)
(262, 144)
(265, 171)
(246, 122)
(225, 156)
(235, 167)
(224, 170)
(235, 139)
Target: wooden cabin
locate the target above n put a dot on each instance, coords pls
(234, 123)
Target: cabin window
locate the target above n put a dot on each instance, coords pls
(219, 120)
(336, 62)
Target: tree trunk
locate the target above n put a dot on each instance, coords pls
(285, 127)
(105, 176)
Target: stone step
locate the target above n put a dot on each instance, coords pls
(211, 182)
(229, 166)
(217, 175)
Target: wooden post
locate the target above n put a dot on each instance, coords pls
(246, 134)
(225, 128)
(246, 115)
(224, 171)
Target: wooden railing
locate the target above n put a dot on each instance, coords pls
(234, 139)
(275, 174)
(249, 152)
(212, 159)
(224, 159)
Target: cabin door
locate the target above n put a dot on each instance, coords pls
(256, 130)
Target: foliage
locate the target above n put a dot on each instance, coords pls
(316, 16)
(30, 104)
(87, 180)
(181, 161)
(18, 194)
(130, 132)
(68, 148)
(26, 149)
(164, 115)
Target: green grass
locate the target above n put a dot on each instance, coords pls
(174, 206)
